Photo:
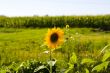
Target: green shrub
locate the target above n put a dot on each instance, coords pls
(30, 66)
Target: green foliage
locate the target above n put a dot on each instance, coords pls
(78, 66)
(101, 21)
(106, 56)
(87, 71)
(101, 67)
(87, 65)
(87, 61)
(72, 63)
(41, 69)
(11, 68)
(30, 66)
(73, 59)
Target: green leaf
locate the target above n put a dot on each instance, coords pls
(87, 71)
(40, 68)
(51, 63)
(3, 71)
(73, 59)
(84, 61)
(106, 56)
(101, 66)
(104, 48)
(71, 66)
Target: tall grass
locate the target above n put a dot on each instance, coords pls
(24, 44)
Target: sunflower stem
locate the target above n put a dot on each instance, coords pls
(50, 60)
(50, 55)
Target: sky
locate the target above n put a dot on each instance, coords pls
(54, 7)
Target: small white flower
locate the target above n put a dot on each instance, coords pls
(46, 52)
(72, 38)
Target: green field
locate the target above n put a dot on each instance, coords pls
(18, 45)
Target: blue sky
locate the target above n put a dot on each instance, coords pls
(54, 7)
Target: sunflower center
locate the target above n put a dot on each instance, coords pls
(54, 37)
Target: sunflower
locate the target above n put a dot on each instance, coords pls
(54, 38)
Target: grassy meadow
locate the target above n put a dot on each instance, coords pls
(18, 45)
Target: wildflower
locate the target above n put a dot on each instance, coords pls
(54, 38)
